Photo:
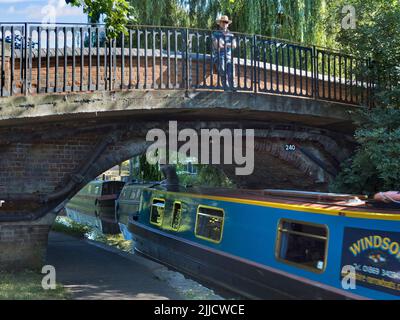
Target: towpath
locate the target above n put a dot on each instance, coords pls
(94, 272)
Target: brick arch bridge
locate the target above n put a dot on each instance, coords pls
(70, 109)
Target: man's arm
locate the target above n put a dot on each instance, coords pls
(215, 43)
(234, 43)
(218, 41)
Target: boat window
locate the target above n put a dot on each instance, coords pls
(209, 223)
(157, 211)
(302, 244)
(134, 194)
(176, 215)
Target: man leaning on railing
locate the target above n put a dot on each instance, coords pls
(223, 43)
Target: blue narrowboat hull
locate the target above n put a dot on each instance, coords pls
(246, 259)
(239, 275)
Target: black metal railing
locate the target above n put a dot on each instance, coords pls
(38, 58)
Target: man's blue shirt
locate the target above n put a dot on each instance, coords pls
(226, 38)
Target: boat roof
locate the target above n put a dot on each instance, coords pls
(93, 182)
(319, 202)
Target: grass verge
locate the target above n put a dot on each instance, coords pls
(27, 285)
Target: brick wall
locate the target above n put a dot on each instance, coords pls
(23, 246)
(40, 166)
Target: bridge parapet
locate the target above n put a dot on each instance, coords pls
(66, 58)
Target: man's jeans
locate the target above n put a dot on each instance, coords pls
(227, 77)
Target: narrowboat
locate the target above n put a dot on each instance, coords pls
(273, 244)
(128, 202)
(94, 205)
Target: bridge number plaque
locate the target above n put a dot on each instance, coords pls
(290, 147)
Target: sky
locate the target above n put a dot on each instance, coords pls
(47, 11)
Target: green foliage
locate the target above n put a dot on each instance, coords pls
(296, 20)
(149, 172)
(160, 13)
(376, 163)
(68, 226)
(377, 35)
(212, 176)
(207, 176)
(118, 13)
(114, 240)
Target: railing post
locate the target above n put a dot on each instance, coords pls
(25, 50)
(3, 77)
(114, 59)
(314, 72)
(110, 63)
(187, 63)
(12, 62)
(254, 63)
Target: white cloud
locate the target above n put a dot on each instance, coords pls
(11, 10)
(42, 11)
(39, 12)
(18, 1)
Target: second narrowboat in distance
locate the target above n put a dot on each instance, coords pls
(94, 205)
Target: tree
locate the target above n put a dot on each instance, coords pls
(375, 165)
(160, 13)
(118, 13)
(376, 36)
(296, 20)
(149, 172)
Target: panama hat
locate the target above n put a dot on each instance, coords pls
(223, 18)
